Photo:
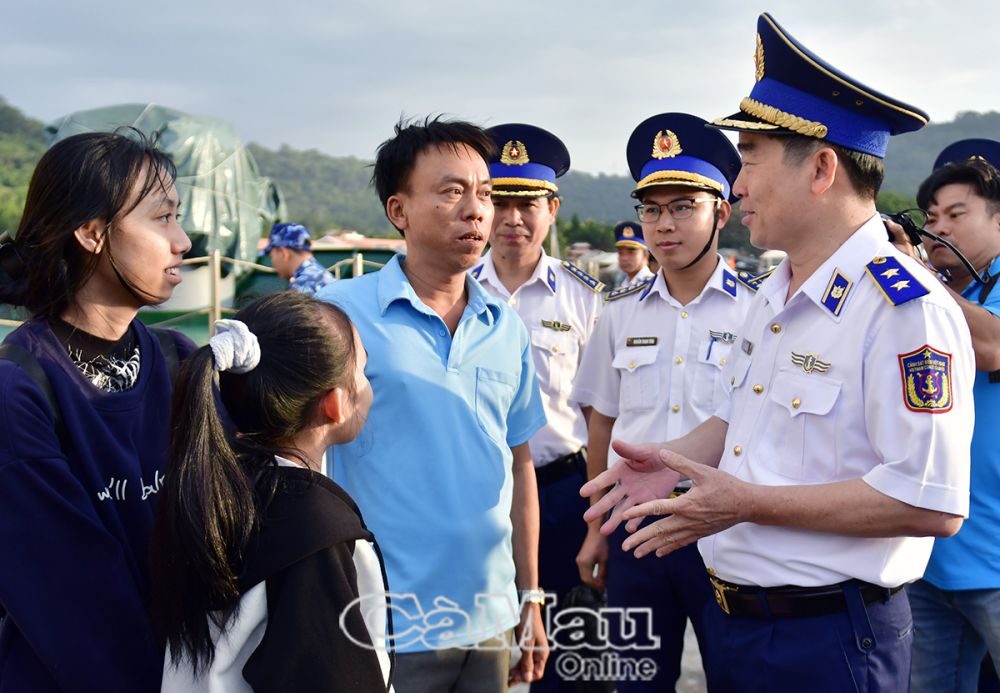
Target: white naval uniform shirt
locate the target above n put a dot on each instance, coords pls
(806, 423)
(655, 364)
(559, 311)
(640, 276)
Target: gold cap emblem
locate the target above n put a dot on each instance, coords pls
(514, 153)
(627, 232)
(758, 59)
(665, 145)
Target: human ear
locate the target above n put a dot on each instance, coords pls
(91, 236)
(825, 168)
(333, 405)
(725, 210)
(554, 203)
(394, 210)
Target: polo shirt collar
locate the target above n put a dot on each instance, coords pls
(394, 286)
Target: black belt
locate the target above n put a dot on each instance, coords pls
(562, 467)
(747, 600)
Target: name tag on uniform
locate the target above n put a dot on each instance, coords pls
(641, 341)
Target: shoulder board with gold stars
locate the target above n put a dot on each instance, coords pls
(751, 281)
(895, 281)
(629, 290)
(591, 283)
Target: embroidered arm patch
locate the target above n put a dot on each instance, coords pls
(926, 375)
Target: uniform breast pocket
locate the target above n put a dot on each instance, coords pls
(640, 382)
(556, 356)
(494, 395)
(713, 355)
(803, 417)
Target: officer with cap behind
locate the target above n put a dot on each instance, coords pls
(843, 445)
(289, 249)
(633, 255)
(956, 606)
(654, 362)
(559, 305)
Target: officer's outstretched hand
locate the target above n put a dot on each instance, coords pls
(716, 501)
(641, 476)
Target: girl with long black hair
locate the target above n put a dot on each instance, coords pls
(265, 577)
(85, 411)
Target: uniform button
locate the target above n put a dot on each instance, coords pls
(684, 313)
(737, 450)
(679, 360)
(555, 350)
(442, 333)
(867, 643)
(722, 362)
(775, 328)
(758, 388)
(676, 408)
(632, 365)
(711, 571)
(796, 403)
(512, 302)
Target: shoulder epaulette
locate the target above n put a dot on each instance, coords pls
(752, 281)
(628, 290)
(591, 283)
(895, 282)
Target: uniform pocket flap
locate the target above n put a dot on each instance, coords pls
(805, 393)
(631, 358)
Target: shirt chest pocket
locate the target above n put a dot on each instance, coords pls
(556, 355)
(713, 355)
(494, 396)
(803, 417)
(640, 381)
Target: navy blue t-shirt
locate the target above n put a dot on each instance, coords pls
(75, 521)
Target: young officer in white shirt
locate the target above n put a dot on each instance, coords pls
(655, 360)
(559, 305)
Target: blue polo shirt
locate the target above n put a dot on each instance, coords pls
(431, 469)
(971, 559)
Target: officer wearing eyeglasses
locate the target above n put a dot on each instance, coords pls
(842, 444)
(654, 361)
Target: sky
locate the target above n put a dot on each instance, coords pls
(335, 76)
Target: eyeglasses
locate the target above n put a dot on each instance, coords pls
(677, 209)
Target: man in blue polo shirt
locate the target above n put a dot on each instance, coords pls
(441, 469)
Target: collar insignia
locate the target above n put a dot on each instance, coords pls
(809, 363)
(729, 283)
(836, 292)
(665, 145)
(476, 271)
(556, 325)
(551, 279)
(514, 153)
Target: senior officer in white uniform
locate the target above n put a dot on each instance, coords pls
(843, 447)
(656, 358)
(559, 304)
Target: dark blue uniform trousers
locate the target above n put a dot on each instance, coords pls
(561, 533)
(675, 588)
(866, 649)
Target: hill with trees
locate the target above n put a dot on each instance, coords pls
(330, 192)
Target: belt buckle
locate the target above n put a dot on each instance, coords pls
(720, 594)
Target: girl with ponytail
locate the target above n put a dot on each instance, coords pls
(84, 397)
(265, 577)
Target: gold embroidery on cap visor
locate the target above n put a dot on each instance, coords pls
(514, 153)
(774, 119)
(523, 187)
(758, 59)
(692, 180)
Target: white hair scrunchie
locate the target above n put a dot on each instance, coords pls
(234, 347)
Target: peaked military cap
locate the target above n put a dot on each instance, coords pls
(797, 92)
(962, 151)
(677, 149)
(529, 161)
(628, 234)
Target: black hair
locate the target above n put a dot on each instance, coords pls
(80, 179)
(212, 500)
(979, 174)
(864, 171)
(396, 157)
